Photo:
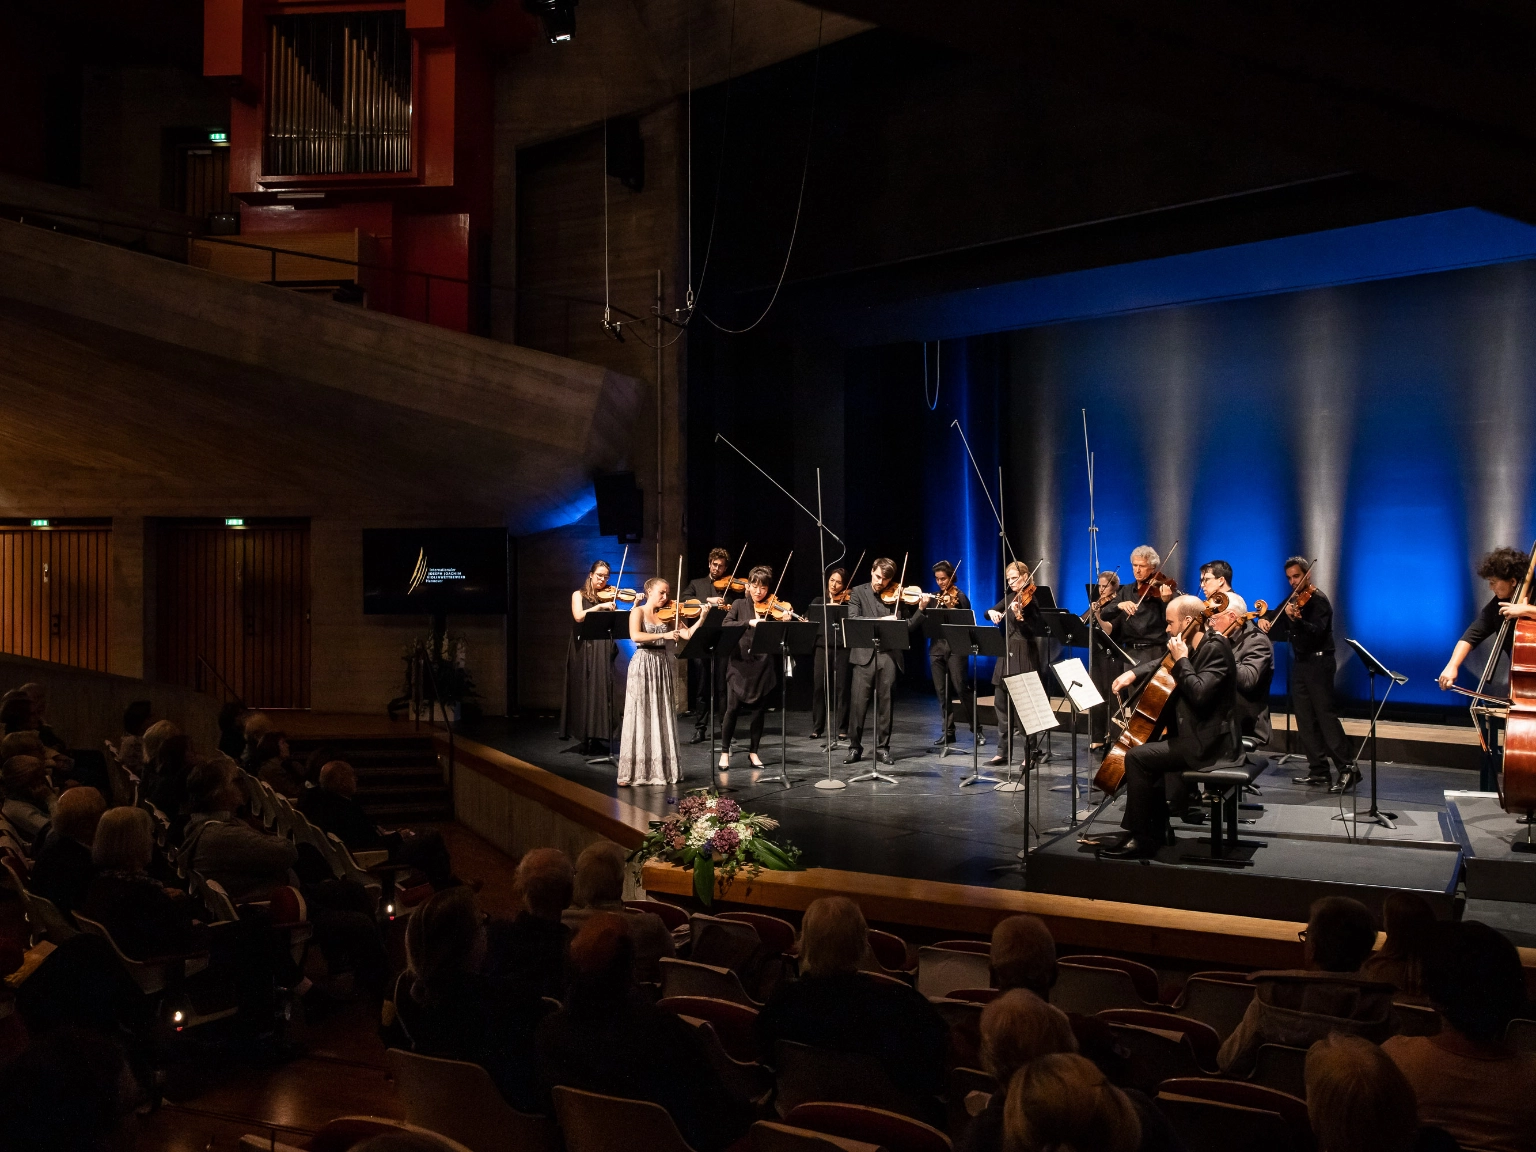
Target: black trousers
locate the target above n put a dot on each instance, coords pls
(842, 675)
(948, 671)
(756, 713)
(1106, 666)
(875, 680)
(699, 671)
(1317, 724)
(1147, 783)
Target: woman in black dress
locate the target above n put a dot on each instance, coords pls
(749, 680)
(1020, 627)
(590, 712)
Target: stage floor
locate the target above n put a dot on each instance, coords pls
(927, 827)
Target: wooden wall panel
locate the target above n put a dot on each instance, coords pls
(239, 598)
(54, 590)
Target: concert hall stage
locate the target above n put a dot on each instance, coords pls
(926, 827)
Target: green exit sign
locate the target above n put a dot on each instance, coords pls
(39, 523)
(218, 137)
(233, 522)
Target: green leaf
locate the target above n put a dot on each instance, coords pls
(704, 879)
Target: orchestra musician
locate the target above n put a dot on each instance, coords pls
(946, 665)
(842, 671)
(871, 677)
(1198, 734)
(1504, 569)
(1136, 621)
(749, 679)
(1306, 620)
(1107, 662)
(700, 668)
(588, 712)
(1216, 576)
(1020, 617)
(648, 740)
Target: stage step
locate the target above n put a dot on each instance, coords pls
(399, 778)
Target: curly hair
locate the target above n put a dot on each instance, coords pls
(1503, 564)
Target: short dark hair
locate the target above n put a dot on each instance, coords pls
(136, 716)
(718, 554)
(16, 714)
(1472, 975)
(1503, 564)
(945, 567)
(1219, 569)
(205, 784)
(1299, 562)
(762, 574)
(885, 566)
(1342, 933)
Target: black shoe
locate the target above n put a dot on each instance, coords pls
(884, 757)
(1134, 847)
(997, 761)
(1347, 780)
(1319, 779)
(698, 736)
(854, 756)
(815, 736)
(943, 740)
(981, 741)
(1194, 816)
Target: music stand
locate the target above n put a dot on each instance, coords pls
(1068, 631)
(1078, 687)
(784, 638)
(600, 626)
(1375, 668)
(935, 621)
(883, 636)
(979, 640)
(835, 615)
(1030, 704)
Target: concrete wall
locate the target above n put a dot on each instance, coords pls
(124, 114)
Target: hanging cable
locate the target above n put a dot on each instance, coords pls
(938, 364)
(805, 170)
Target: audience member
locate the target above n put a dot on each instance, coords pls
(257, 725)
(599, 887)
(1298, 1008)
(1063, 1101)
(1357, 1100)
(232, 730)
(836, 1007)
(275, 767)
(1467, 1079)
(1408, 920)
(29, 796)
(145, 918)
(155, 736)
(533, 949)
(610, 1039)
(37, 697)
(443, 1006)
(15, 712)
(64, 868)
(333, 807)
(1024, 955)
(165, 782)
(1016, 1028)
(130, 747)
(71, 1091)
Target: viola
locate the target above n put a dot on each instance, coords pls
(839, 597)
(910, 594)
(1147, 714)
(727, 584)
(1160, 580)
(947, 598)
(1236, 620)
(608, 594)
(1022, 599)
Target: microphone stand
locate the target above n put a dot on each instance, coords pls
(831, 783)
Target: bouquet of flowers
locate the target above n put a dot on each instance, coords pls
(713, 836)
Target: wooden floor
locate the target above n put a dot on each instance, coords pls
(342, 1072)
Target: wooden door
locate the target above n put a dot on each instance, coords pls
(233, 611)
(54, 586)
(202, 184)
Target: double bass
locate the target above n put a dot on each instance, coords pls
(1147, 714)
(1517, 791)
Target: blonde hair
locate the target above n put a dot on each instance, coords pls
(833, 937)
(1358, 1100)
(158, 733)
(1017, 567)
(1019, 1027)
(1062, 1102)
(125, 839)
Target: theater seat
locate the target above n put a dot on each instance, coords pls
(592, 1122)
(1219, 999)
(1087, 987)
(461, 1101)
(766, 1136)
(685, 978)
(941, 970)
(1210, 1122)
(1282, 1068)
(345, 1132)
(890, 1130)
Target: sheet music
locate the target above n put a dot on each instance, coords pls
(1075, 682)
(1029, 698)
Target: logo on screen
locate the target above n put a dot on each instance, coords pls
(423, 574)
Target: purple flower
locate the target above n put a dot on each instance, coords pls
(727, 811)
(709, 847)
(690, 806)
(725, 840)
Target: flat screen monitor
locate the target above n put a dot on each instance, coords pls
(434, 571)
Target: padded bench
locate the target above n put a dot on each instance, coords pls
(1222, 790)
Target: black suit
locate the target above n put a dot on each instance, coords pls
(1198, 733)
(1019, 645)
(872, 677)
(1254, 655)
(842, 674)
(699, 681)
(948, 670)
(1312, 670)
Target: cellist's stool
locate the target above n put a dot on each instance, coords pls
(1222, 788)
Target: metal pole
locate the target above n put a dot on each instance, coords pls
(830, 783)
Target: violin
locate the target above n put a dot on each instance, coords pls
(728, 584)
(948, 598)
(840, 597)
(774, 609)
(1147, 714)
(608, 594)
(1160, 580)
(1301, 595)
(910, 594)
(688, 610)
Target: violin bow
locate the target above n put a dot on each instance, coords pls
(620, 582)
(780, 583)
(901, 582)
(1305, 580)
(726, 591)
(1159, 571)
(854, 571)
(677, 596)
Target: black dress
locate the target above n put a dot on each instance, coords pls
(590, 709)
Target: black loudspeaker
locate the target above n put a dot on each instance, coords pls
(620, 507)
(626, 152)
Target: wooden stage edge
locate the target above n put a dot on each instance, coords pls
(1076, 923)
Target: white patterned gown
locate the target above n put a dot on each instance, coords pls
(648, 745)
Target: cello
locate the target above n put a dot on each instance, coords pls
(1146, 716)
(1517, 789)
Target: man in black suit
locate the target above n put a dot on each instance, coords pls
(1198, 724)
(1309, 628)
(873, 677)
(947, 665)
(702, 589)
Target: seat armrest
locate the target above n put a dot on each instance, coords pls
(371, 857)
